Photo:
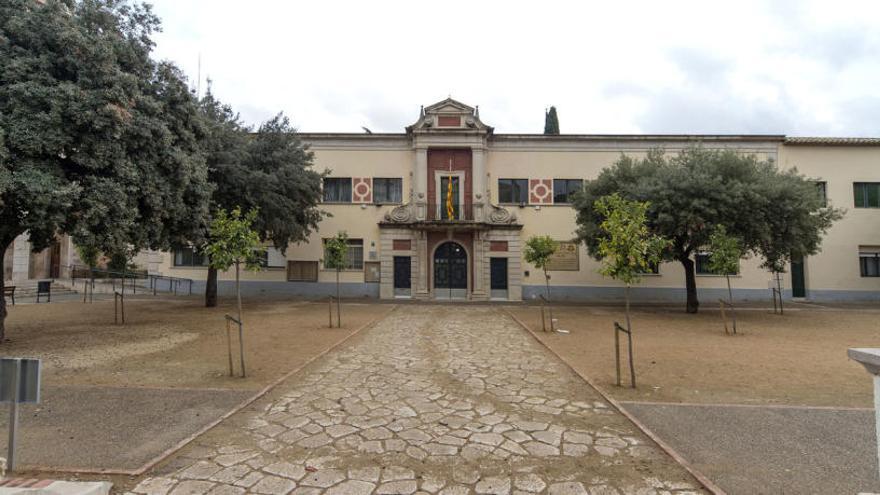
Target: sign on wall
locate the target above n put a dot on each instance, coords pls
(566, 258)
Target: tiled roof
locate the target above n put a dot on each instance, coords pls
(833, 141)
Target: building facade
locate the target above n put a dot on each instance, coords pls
(442, 210)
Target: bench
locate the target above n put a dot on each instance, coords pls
(9, 291)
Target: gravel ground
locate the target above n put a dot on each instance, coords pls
(109, 427)
(761, 450)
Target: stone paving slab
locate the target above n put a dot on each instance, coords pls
(758, 450)
(432, 400)
(91, 428)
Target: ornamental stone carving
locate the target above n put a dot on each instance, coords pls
(400, 214)
(500, 216)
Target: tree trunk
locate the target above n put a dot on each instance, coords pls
(632, 366)
(238, 292)
(211, 288)
(2, 298)
(730, 300)
(690, 281)
(338, 313)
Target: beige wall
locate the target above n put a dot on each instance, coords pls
(836, 268)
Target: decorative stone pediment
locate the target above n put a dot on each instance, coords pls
(449, 116)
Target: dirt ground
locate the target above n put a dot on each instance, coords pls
(174, 342)
(798, 358)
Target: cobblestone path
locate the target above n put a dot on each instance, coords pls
(446, 400)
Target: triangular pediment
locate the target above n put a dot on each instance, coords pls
(449, 106)
(451, 116)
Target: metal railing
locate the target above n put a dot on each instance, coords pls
(438, 212)
(133, 280)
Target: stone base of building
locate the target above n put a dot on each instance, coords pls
(679, 295)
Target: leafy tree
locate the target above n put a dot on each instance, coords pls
(538, 251)
(269, 171)
(551, 121)
(775, 214)
(725, 252)
(233, 242)
(626, 246)
(335, 253)
(97, 140)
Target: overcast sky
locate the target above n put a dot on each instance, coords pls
(784, 67)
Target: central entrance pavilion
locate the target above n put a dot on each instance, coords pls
(442, 242)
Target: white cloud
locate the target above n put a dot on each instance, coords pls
(745, 67)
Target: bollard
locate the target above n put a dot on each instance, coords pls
(870, 359)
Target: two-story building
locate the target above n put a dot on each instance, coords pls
(442, 210)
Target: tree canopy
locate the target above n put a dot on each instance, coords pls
(627, 248)
(269, 171)
(97, 140)
(551, 121)
(776, 214)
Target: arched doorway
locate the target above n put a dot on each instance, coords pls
(450, 271)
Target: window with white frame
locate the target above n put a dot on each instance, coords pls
(869, 261)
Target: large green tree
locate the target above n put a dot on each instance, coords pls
(776, 214)
(97, 140)
(270, 171)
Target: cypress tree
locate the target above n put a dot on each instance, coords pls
(551, 121)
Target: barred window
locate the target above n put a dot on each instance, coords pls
(354, 256)
(869, 262)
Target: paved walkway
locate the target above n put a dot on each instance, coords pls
(754, 450)
(434, 399)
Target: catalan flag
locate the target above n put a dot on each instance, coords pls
(450, 211)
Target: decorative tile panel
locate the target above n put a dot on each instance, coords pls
(362, 190)
(541, 191)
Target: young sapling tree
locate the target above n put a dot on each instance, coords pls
(627, 247)
(725, 251)
(335, 258)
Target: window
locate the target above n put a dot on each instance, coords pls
(869, 262)
(372, 271)
(702, 259)
(189, 257)
(653, 269)
(354, 258)
(867, 194)
(564, 188)
(822, 189)
(387, 190)
(337, 190)
(702, 262)
(302, 271)
(513, 191)
(271, 257)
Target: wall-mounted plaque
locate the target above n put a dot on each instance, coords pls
(566, 258)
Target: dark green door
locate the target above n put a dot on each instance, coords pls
(798, 282)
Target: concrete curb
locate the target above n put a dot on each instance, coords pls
(700, 477)
(247, 402)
